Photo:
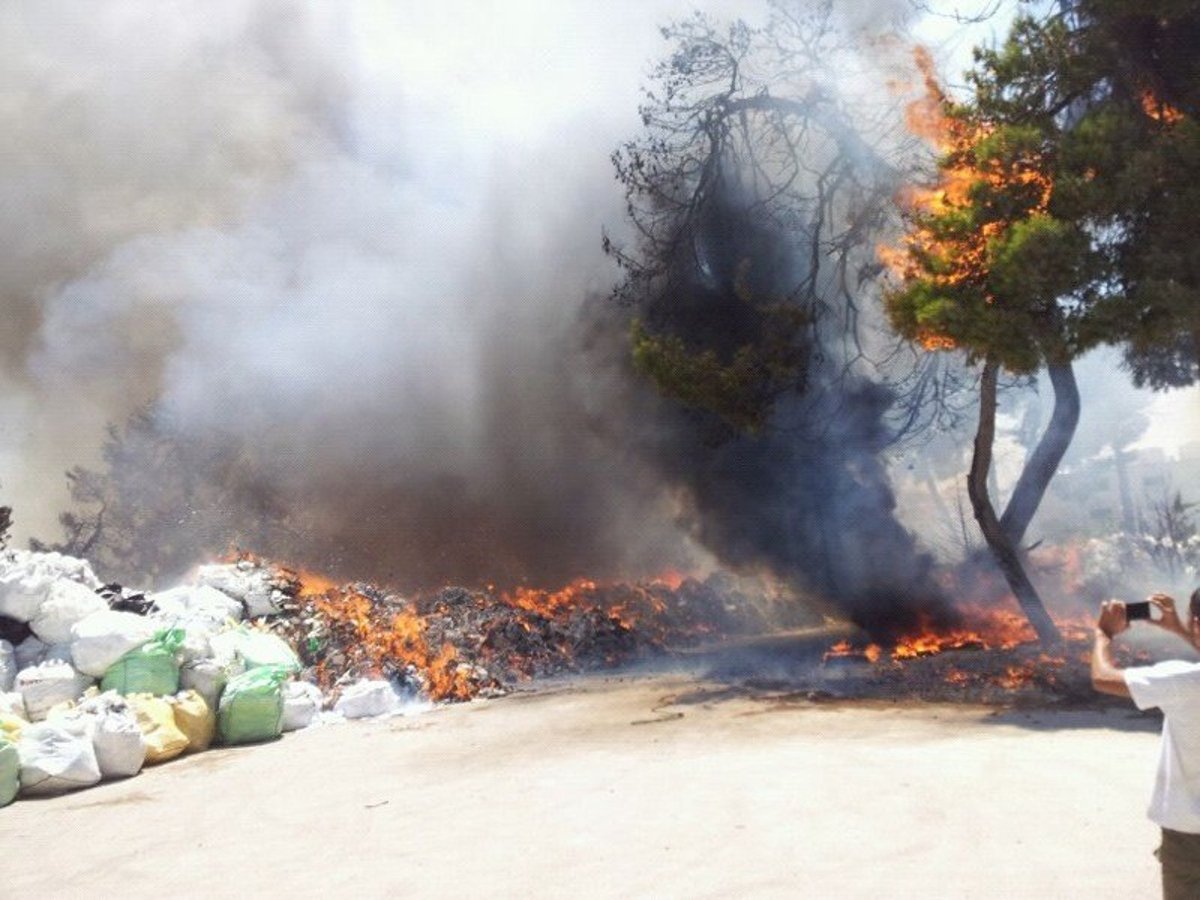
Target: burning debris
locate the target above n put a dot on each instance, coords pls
(455, 644)
(360, 650)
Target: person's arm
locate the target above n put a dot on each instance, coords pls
(1106, 677)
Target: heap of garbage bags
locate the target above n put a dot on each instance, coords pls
(96, 682)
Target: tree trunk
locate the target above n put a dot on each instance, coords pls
(1003, 549)
(1043, 463)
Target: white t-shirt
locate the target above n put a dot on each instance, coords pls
(1174, 687)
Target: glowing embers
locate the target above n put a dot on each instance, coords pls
(1158, 110)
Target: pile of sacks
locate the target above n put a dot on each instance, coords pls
(96, 691)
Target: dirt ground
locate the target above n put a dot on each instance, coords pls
(653, 786)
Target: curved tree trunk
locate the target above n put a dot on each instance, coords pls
(1039, 469)
(1003, 549)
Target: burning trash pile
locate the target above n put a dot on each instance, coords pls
(97, 681)
(455, 644)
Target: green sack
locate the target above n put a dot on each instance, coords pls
(257, 648)
(150, 669)
(251, 708)
(10, 771)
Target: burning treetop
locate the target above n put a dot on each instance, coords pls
(1064, 204)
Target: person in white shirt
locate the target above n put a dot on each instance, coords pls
(1174, 687)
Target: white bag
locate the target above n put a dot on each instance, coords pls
(116, 736)
(56, 757)
(8, 666)
(104, 637)
(200, 611)
(367, 698)
(13, 704)
(43, 686)
(301, 702)
(26, 576)
(66, 602)
(199, 602)
(208, 677)
(244, 581)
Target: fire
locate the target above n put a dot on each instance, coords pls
(1158, 110)
(550, 603)
(399, 640)
(960, 256)
(455, 643)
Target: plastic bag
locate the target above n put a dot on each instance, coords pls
(194, 718)
(102, 638)
(156, 719)
(201, 612)
(208, 677)
(41, 687)
(200, 602)
(367, 698)
(253, 585)
(301, 703)
(150, 669)
(255, 648)
(66, 603)
(116, 736)
(251, 708)
(56, 757)
(26, 576)
(10, 771)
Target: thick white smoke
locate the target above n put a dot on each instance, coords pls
(359, 240)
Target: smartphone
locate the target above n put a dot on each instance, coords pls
(1134, 611)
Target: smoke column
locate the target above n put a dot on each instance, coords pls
(358, 249)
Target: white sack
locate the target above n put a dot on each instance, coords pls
(199, 601)
(56, 757)
(8, 666)
(116, 736)
(301, 702)
(244, 581)
(367, 698)
(66, 602)
(208, 677)
(26, 577)
(104, 637)
(200, 611)
(13, 704)
(45, 685)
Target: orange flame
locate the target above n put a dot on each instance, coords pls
(959, 258)
(1158, 110)
(400, 640)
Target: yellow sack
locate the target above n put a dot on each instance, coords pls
(156, 718)
(194, 718)
(10, 727)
